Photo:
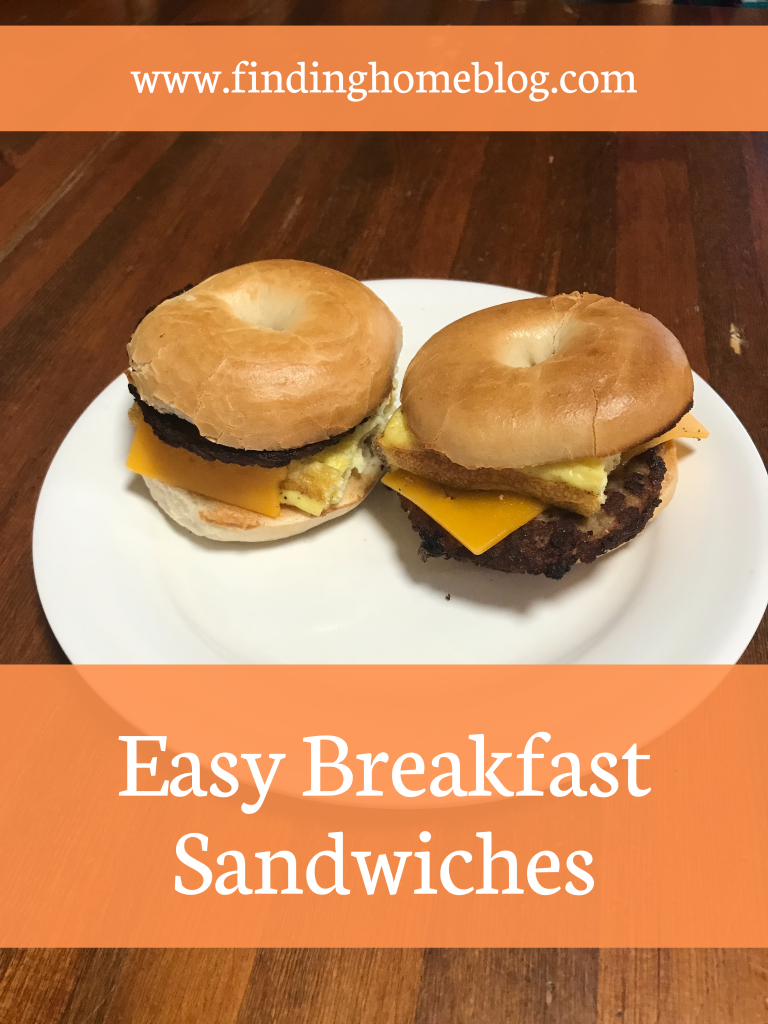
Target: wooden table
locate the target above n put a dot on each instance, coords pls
(376, 12)
(96, 228)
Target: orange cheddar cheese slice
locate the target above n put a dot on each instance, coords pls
(688, 426)
(248, 487)
(477, 519)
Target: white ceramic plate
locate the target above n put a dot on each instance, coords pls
(121, 583)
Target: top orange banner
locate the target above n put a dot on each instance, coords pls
(466, 78)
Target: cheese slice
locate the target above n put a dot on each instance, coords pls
(250, 487)
(477, 519)
(688, 426)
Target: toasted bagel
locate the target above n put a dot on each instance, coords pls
(546, 380)
(272, 355)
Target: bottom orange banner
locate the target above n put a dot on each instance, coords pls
(372, 806)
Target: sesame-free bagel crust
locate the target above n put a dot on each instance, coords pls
(546, 380)
(271, 355)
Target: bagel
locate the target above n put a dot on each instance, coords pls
(546, 380)
(257, 396)
(542, 403)
(270, 355)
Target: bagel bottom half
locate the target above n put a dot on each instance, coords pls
(217, 520)
(556, 540)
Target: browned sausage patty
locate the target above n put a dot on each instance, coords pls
(179, 433)
(556, 540)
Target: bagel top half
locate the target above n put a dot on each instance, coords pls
(271, 355)
(546, 380)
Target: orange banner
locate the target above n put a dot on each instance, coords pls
(467, 78)
(371, 806)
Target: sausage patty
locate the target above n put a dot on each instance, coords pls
(179, 433)
(553, 542)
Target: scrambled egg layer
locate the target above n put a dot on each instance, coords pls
(318, 483)
(397, 433)
(584, 474)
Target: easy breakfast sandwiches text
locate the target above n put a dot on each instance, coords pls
(332, 772)
(600, 805)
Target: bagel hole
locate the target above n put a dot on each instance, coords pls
(267, 309)
(522, 350)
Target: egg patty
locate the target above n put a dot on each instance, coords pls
(317, 483)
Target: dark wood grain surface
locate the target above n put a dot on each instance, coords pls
(96, 228)
(385, 986)
(376, 12)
